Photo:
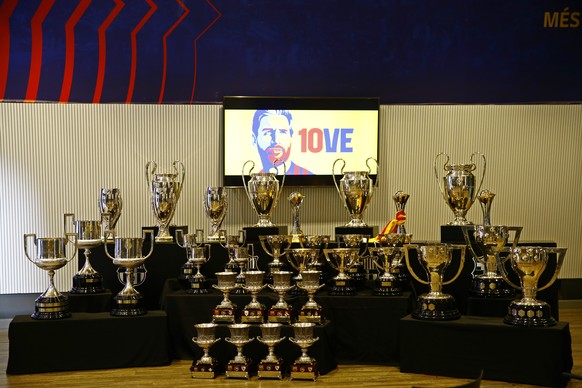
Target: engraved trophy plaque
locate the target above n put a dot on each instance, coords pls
(165, 190)
(435, 258)
(240, 366)
(226, 311)
(215, 206)
(459, 187)
(311, 311)
(271, 367)
(305, 367)
(128, 254)
(110, 205)
(263, 190)
(198, 254)
(51, 254)
(254, 312)
(281, 312)
(205, 367)
(355, 189)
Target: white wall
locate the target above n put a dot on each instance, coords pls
(54, 158)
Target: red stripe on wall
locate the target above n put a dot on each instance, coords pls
(36, 51)
(6, 10)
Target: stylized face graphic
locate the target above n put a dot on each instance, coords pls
(274, 140)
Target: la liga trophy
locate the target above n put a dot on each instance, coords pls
(271, 367)
(263, 190)
(226, 311)
(110, 205)
(281, 312)
(197, 254)
(215, 206)
(240, 366)
(459, 186)
(205, 367)
(50, 255)
(165, 190)
(305, 367)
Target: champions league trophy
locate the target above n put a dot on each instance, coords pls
(296, 200)
(89, 235)
(205, 367)
(459, 188)
(305, 367)
(254, 312)
(215, 207)
(240, 366)
(310, 311)
(275, 245)
(271, 366)
(110, 205)
(226, 311)
(165, 193)
(263, 190)
(281, 312)
(50, 255)
(128, 254)
(435, 258)
(231, 243)
(197, 254)
(355, 190)
(529, 262)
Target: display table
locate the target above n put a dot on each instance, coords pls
(90, 303)
(464, 347)
(87, 341)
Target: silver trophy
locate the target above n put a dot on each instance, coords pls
(281, 312)
(89, 235)
(342, 259)
(295, 201)
(275, 245)
(387, 259)
(240, 366)
(305, 367)
(355, 189)
(254, 312)
(271, 367)
(226, 311)
(110, 205)
(197, 254)
(51, 254)
(205, 367)
(263, 190)
(231, 242)
(165, 192)
(215, 206)
(302, 259)
(459, 186)
(311, 311)
(356, 270)
(128, 254)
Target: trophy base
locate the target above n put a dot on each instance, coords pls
(187, 271)
(87, 284)
(198, 288)
(277, 315)
(342, 287)
(128, 306)
(239, 370)
(164, 240)
(270, 370)
(46, 308)
(387, 288)
(358, 276)
(304, 371)
(311, 315)
(537, 314)
(439, 308)
(491, 287)
(224, 315)
(253, 315)
(203, 371)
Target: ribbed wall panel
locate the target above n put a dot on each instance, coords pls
(55, 158)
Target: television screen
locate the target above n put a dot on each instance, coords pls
(302, 135)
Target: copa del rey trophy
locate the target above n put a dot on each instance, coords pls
(215, 206)
(110, 205)
(459, 186)
(165, 192)
(263, 190)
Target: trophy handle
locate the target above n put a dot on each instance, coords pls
(151, 233)
(72, 238)
(65, 218)
(181, 172)
(282, 180)
(208, 249)
(436, 173)
(242, 236)
(503, 270)
(370, 169)
(264, 246)
(331, 262)
(463, 249)
(406, 257)
(106, 235)
(482, 172)
(222, 237)
(466, 229)
(561, 252)
(333, 174)
(245, 183)
(179, 233)
(26, 238)
(150, 172)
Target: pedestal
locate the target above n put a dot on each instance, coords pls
(253, 232)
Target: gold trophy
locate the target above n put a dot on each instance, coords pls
(275, 245)
(305, 367)
(197, 254)
(231, 242)
(226, 311)
(271, 367)
(435, 258)
(529, 262)
(459, 187)
(311, 311)
(165, 192)
(51, 254)
(215, 206)
(242, 256)
(110, 205)
(281, 312)
(388, 259)
(205, 367)
(263, 190)
(318, 242)
(296, 200)
(356, 271)
(240, 366)
(355, 189)
(342, 259)
(254, 312)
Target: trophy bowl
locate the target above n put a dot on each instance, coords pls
(271, 365)
(226, 311)
(110, 203)
(240, 366)
(304, 367)
(215, 206)
(197, 255)
(281, 312)
(275, 245)
(205, 367)
(263, 190)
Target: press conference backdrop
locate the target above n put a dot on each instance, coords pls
(54, 159)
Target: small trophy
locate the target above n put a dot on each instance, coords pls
(87, 280)
(295, 201)
(271, 367)
(215, 207)
(110, 204)
(51, 255)
(435, 258)
(205, 367)
(254, 312)
(302, 259)
(128, 255)
(197, 254)
(355, 190)
(231, 243)
(529, 262)
(311, 312)
(459, 188)
(485, 198)
(263, 190)
(341, 259)
(165, 192)
(278, 244)
(281, 312)
(356, 271)
(242, 257)
(240, 366)
(319, 242)
(226, 311)
(387, 259)
(400, 198)
(395, 240)
(305, 367)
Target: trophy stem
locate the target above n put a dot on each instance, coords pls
(51, 291)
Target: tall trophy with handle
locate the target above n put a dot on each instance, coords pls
(165, 190)
(197, 254)
(215, 206)
(263, 190)
(110, 205)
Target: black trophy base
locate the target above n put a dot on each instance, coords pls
(253, 232)
(198, 286)
(358, 276)
(240, 370)
(311, 315)
(270, 370)
(491, 287)
(342, 287)
(224, 315)
(387, 287)
(279, 315)
(538, 314)
(304, 371)
(199, 370)
(253, 315)
(128, 306)
(87, 284)
(371, 231)
(436, 308)
(46, 308)
(187, 270)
